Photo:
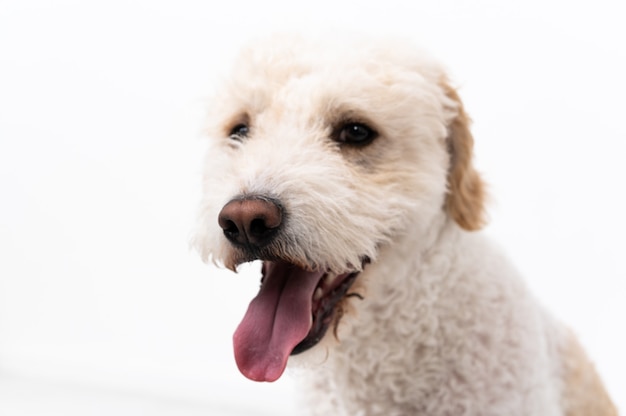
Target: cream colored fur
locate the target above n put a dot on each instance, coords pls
(446, 326)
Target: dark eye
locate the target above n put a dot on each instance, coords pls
(355, 133)
(240, 131)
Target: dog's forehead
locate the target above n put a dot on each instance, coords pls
(310, 78)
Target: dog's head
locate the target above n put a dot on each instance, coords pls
(321, 154)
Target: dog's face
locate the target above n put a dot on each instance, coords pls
(320, 155)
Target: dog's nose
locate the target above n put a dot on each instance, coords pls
(250, 221)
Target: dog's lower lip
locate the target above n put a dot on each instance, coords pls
(324, 313)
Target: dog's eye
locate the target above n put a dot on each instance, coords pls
(240, 131)
(355, 133)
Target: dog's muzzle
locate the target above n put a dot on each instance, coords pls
(297, 301)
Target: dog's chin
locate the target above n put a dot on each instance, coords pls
(292, 313)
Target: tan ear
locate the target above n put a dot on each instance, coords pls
(466, 191)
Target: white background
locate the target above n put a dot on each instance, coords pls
(103, 308)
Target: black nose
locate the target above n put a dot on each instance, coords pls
(250, 221)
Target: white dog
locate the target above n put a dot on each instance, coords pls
(346, 167)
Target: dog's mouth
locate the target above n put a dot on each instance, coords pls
(291, 313)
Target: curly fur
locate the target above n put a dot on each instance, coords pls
(445, 325)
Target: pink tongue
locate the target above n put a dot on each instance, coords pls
(277, 320)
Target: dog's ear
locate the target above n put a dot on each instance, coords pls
(466, 191)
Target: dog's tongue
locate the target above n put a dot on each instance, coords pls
(276, 321)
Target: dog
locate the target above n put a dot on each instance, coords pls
(345, 167)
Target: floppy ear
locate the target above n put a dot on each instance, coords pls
(466, 191)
